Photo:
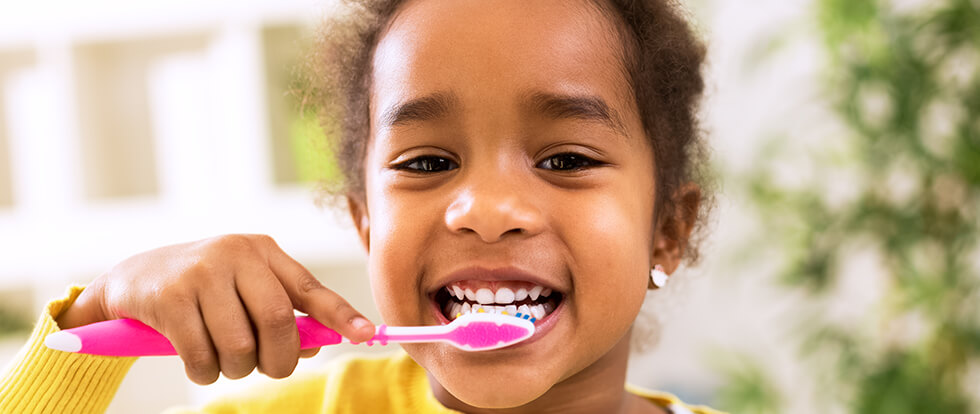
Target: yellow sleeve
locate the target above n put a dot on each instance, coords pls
(670, 402)
(300, 393)
(348, 384)
(41, 380)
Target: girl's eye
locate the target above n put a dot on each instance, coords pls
(428, 164)
(567, 162)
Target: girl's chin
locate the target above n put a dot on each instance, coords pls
(491, 389)
(490, 379)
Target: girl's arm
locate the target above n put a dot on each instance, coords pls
(41, 380)
(225, 303)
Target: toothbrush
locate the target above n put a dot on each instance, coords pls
(129, 337)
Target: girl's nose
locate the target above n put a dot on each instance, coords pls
(493, 210)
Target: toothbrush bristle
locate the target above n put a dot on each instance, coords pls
(517, 315)
(486, 331)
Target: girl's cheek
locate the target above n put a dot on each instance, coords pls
(400, 225)
(614, 245)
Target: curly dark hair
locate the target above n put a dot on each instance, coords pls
(663, 58)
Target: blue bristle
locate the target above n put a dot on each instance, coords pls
(518, 315)
(533, 319)
(527, 316)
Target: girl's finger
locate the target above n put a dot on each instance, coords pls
(185, 328)
(271, 312)
(324, 305)
(308, 353)
(230, 328)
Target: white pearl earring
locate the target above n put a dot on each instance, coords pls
(658, 278)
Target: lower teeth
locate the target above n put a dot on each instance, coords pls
(539, 310)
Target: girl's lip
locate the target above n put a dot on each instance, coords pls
(493, 275)
(541, 327)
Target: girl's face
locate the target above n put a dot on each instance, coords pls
(506, 153)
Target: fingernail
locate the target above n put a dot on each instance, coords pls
(359, 323)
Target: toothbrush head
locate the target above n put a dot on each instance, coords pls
(488, 331)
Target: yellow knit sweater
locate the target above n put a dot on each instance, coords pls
(40, 380)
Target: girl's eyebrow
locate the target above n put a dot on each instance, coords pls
(556, 106)
(584, 107)
(426, 108)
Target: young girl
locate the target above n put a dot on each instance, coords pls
(547, 146)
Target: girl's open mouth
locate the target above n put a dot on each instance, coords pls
(501, 297)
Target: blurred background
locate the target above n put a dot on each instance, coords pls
(842, 270)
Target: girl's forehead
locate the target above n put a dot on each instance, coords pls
(499, 53)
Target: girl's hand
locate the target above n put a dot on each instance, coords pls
(226, 304)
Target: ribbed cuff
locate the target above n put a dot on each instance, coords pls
(42, 380)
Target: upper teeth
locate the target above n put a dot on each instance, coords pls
(484, 296)
(503, 295)
(503, 300)
(535, 292)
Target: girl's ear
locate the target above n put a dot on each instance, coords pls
(674, 228)
(358, 213)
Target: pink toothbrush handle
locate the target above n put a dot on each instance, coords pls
(121, 337)
(313, 334)
(129, 337)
